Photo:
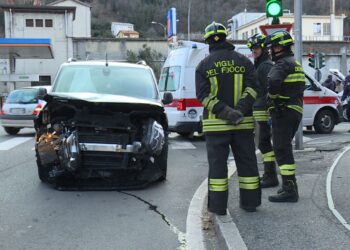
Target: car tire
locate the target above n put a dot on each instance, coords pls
(43, 172)
(12, 130)
(345, 113)
(161, 161)
(324, 122)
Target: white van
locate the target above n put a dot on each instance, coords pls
(184, 113)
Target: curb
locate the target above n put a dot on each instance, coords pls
(225, 227)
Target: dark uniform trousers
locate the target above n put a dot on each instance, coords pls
(265, 146)
(284, 126)
(243, 149)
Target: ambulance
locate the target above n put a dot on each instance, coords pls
(321, 105)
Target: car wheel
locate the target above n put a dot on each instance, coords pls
(43, 172)
(324, 122)
(12, 130)
(161, 161)
(345, 113)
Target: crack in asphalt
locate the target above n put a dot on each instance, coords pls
(180, 235)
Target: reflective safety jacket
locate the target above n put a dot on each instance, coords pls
(225, 77)
(286, 82)
(263, 65)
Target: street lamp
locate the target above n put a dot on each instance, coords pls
(163, 26)
(188, 20)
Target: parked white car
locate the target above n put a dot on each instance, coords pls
(21, 108)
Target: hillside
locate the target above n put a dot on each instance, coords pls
(142, 12)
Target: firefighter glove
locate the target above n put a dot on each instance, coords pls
(233, 115)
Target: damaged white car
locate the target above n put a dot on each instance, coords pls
(103, 127)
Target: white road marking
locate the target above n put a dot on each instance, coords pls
(329, 191)
(11, 143)
(181, 145)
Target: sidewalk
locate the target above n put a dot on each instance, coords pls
(307, 224)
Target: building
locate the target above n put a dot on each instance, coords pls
(239, 20)
(128, 34)
(53, 22)
(315, 28)
(116, 27)
(57, 22)
(82, 22)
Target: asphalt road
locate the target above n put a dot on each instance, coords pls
(33, 215)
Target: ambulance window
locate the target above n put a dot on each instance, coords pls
(169, 78)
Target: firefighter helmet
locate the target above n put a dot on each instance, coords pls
(282, 38)
(256, 41)
(215, 32)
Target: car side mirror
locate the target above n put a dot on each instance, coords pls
(167, 98)
(42, 93)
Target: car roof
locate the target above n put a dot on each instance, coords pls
(111, 63)
(47, 87)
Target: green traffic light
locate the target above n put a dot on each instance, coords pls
(274, 8)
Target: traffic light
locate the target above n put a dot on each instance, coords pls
(312, 60)
(274, 8)
(321, 60)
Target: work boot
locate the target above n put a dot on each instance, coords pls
(288, 193)
(269, 178)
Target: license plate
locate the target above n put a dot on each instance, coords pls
(17, 111)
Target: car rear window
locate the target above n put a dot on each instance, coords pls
(169, 79)
(23, 96)
(128, 81)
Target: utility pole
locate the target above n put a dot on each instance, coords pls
(332, 25)
(298, 50)
(189, 21)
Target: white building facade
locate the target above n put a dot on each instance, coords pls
(117, 27)
(53, 22)
(315, 28)
(82, 22)
(57, 22)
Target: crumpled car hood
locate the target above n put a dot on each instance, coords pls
(100, 98)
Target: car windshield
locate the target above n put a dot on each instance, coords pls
(23, 96)
(169, 78)
(127, 81)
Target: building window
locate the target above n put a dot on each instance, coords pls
(326, 29)
(317, 29)
(256, 30)
(29, 23)
(48, 22)
(38, 22)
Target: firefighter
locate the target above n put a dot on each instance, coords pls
(263, 64)
(286, 82)
(225, 85)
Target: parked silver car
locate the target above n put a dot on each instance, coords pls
(20, 109)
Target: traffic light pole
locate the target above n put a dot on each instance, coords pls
(298, 55)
